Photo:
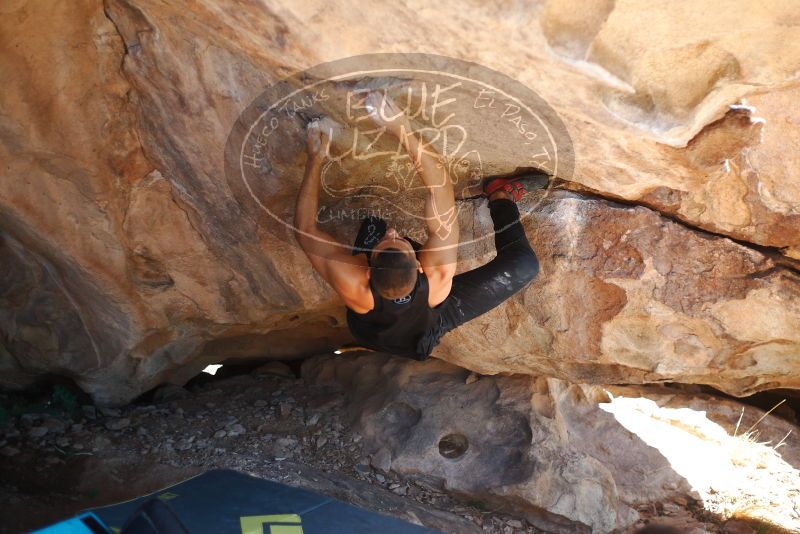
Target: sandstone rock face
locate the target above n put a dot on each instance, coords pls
(129, 262)
(571, 458)
(633, 297)
(687, 80)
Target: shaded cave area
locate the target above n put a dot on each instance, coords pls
(284, 420)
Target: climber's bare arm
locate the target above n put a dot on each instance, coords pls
(347, 274)
(440, 253)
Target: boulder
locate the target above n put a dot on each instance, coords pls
(127, 261)
(625, 296)
(569, 458)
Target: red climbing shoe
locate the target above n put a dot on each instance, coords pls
(517, 183)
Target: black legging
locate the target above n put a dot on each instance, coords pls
(477, 291)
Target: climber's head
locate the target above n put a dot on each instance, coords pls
(394, 266)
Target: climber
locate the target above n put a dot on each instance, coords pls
(402, 297)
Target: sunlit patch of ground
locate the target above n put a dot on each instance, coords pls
(735, 475)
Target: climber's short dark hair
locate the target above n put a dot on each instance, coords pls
(393, 273)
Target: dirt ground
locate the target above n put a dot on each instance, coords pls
(273, 427)
(62, 455)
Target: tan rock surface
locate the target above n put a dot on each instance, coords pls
(570, 458)
(632, 297)
(127, 261)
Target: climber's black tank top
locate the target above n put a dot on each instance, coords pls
(396, 326)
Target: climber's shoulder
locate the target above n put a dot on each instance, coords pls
(351, 282)
(358, 298)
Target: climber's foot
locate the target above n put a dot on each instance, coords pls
(516, 184)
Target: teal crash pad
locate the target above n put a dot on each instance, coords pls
(224, 501)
